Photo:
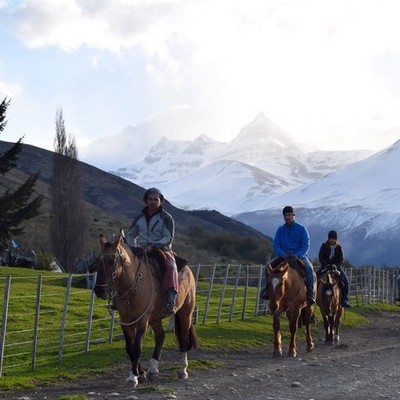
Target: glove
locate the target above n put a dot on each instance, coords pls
(137, 251)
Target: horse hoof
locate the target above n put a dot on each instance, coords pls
(310, 348)
(151, 376)
(183, 375)
(133, 379)
(292, 354)
(277, 353)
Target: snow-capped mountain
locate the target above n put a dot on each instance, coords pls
(361, 201)
(263, 169)
(260, 162)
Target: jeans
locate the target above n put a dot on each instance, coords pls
(309, 275)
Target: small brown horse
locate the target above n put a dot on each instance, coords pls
(329, 300)
(287, 292)
(140, 303)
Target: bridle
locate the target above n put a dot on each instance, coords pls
(120, 262)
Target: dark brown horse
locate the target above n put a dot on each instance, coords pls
(329, 300)
(287, 292)
(140, 304)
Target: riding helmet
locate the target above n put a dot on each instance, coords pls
(153, 191)
(288, 210)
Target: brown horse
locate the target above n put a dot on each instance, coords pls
(140, 303)
(329, 300)
(287, 291)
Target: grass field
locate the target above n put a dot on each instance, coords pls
(17, 370)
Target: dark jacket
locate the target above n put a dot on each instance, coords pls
(325, 255)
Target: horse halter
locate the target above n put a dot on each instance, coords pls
(120, 262)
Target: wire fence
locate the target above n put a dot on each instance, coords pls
(45, 318)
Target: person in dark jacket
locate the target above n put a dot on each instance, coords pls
(331, 253)
(154, 229)
(292, 240)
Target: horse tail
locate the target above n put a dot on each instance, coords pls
(185, 333)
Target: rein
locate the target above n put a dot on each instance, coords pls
(134, 287)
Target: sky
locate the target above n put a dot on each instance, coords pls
(324, 71)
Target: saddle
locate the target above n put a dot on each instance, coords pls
(332, 270)
(157, 258)
(294, 263)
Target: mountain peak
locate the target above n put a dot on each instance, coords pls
(263, 130)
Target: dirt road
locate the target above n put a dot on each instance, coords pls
(365, 365)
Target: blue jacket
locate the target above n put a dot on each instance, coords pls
(292, 239)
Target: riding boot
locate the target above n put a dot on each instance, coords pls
(170, 307)
(264, 295)
(345, 291)
(345, 298)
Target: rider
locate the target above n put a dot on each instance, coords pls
(331, 253)
(293, 241)
(154, 229)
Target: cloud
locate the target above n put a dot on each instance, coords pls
(314, 67)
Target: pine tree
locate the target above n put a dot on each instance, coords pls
(18, 205)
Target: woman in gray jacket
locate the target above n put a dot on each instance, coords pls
(154, 229)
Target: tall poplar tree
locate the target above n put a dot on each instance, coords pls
(20, 204)
(69, 220)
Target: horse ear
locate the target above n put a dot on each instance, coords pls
(102, 240)
(270, 269)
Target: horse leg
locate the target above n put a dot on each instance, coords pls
(277, 336)
(338, 316)
(159, 337)
(186, 336)
(293, 318)
(326, 327)
(307, 314)
(331, 328)
(133, 346)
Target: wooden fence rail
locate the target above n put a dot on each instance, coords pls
(59, 316)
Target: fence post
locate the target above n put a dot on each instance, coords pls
(197, 275)
(221, 299)
(209, 293)
(257, 305)
(90, 316)
(64, 317)
(4, 321)
(36, 323)
(246, 289)
(234, 292)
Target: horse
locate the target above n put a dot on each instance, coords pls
(329, 300)
(135, 281)
(287, 292)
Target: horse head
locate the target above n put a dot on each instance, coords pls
(109, 265)
(277, 277)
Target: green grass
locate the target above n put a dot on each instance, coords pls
(251, 332)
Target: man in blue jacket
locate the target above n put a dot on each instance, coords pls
(293, 241)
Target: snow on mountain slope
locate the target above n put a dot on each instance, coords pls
(224, 184)
(372, 183)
